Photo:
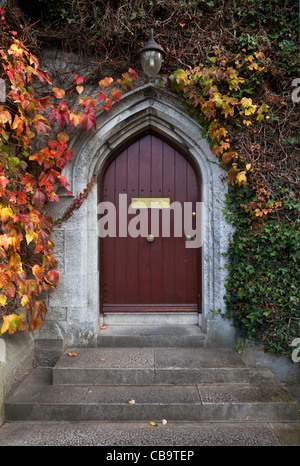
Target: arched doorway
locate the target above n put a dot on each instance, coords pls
(148, 263)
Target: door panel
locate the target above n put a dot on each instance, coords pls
(137, 275)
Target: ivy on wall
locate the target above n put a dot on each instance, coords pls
(233, 63)
(262, 289)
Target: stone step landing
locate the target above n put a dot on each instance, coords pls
(138, 384)
(159, 335)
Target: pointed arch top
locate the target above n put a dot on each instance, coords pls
(146, 108)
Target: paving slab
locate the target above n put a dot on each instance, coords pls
(151, 335)
(143, 434)
(105, 365)
(187, 365)
(287, 433)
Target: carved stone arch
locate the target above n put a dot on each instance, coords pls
(146, 108)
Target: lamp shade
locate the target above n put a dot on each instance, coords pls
(151, 57)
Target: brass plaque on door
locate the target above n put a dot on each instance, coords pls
(150, 203)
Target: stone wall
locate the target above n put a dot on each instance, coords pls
(17, 359)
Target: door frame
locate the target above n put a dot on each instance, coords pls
(101, 175)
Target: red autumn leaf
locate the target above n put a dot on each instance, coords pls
(63, 180)
(88, 103)
(133, 74)
(40, 309)
(28, 180)
(116, 94)
(22, 198)
(43, 75)
(52, 143)
(78, 79)
(10, 290)
(41, 156)
(48, 222)
(3, 183)
(52, 277)
(102, 96)
(68, 155)
(44, 103)
(88, 120)
(48, 179)
(107, 105)
(43, 238)
(39, 196)
(105, 82)
(60, 114)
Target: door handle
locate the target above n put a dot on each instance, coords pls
(150, 238)
(190, 238)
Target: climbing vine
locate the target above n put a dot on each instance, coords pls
(29, 178)
(262, 288)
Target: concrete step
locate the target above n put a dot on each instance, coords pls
(263, 399)
(160, 335)
(144, 366)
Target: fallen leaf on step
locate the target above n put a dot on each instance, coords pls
(131, 402)
(102, 359)
(152, 423)
(164, 422)
(103, 328)
(72, 354)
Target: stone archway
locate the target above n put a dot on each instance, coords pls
(76, 300)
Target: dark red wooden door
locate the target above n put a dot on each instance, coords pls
(137, 275)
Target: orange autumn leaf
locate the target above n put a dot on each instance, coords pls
(59, 93)
(72, 354)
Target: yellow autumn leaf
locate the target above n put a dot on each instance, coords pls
(3, 300)
(25, 300)
(5, 213)
(15, 50)
(79, 89)
(75, 118)
(250, 110)
(5, 116)
(241, 178)
(4, 327)
(253, 66)
(246, 101)
(248, 166)
(30, 235)
(152, 423)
